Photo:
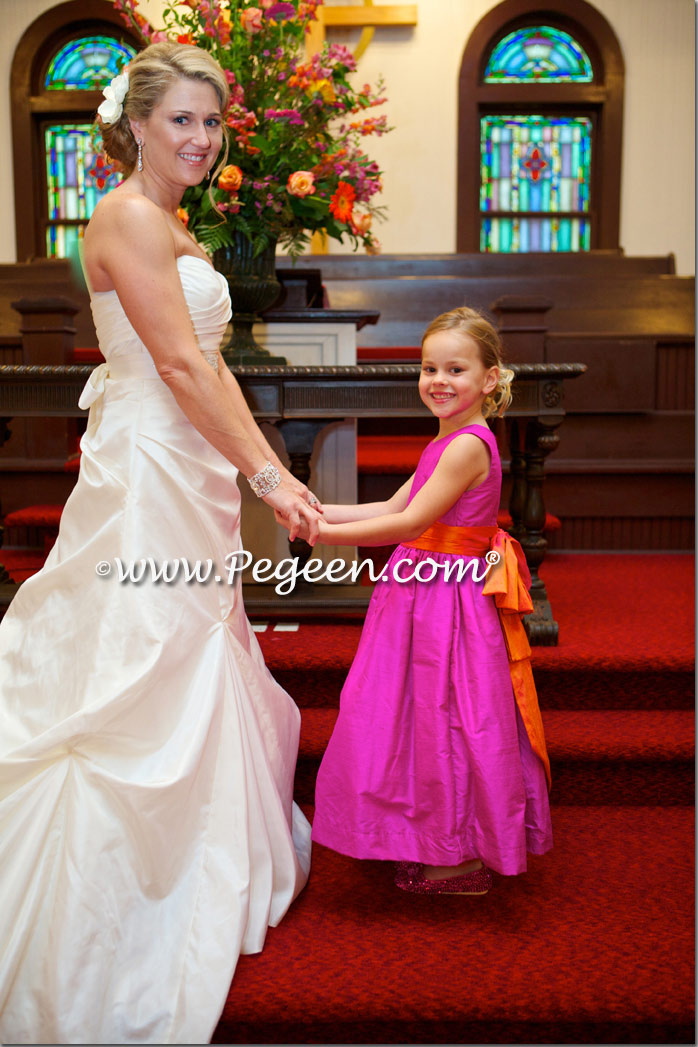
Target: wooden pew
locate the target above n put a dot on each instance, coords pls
(42, 278)
(623, 306)
(594, 263)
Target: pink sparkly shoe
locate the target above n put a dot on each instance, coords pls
(410, 877)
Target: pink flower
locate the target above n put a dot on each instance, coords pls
(281, 11)
(301, 183)
(251, 20)
(159, 38)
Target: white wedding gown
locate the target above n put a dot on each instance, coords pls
(148, 834)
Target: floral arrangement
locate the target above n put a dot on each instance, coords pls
(295, 162)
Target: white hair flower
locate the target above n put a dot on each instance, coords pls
(111, 108)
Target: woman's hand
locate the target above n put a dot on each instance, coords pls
(293, 512)
(295, 485)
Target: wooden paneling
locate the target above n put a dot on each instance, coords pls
(597, 534)
(621, 372)
(652, 437)
(44, 278)
(676, 376)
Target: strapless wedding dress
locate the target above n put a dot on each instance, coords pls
(148, 834)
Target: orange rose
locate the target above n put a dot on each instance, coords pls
(360, 224)
(183, 215)
(230, 179)
(301, 183)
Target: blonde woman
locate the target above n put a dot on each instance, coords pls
(148, 834)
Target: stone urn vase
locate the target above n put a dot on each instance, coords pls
(253, 288)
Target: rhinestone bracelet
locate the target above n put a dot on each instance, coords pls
(265, 481)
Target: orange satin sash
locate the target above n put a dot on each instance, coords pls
(508, 581)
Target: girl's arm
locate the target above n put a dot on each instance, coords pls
(339, 514)
(464, 463)
(130, 241)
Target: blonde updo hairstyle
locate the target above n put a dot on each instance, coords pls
(150, 74)
(470, 323)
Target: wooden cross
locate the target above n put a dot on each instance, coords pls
(368, 17)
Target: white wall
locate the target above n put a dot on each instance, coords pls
(421, 67)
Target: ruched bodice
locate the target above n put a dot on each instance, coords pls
(205, 291)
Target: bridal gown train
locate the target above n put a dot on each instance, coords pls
(148, 834)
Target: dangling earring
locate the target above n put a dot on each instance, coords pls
(140, 155)
(208, 173)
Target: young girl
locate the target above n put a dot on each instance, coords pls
(438, 759)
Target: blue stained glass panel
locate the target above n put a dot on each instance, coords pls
(87, 63)
(524, 233)
(547, 162)
(538, 54)
(77, 178)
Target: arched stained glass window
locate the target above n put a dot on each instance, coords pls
(538, 53)
(59, 69)
(87, 63)
(541, 94)
(534, 192)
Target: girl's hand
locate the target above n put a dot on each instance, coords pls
(293, 512)
(303, 529)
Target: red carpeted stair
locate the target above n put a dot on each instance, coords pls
(595, 943)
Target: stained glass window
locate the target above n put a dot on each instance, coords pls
(77, 177)
(540, 54)
(534, 190)
(87, 63)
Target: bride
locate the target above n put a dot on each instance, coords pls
(148, 834)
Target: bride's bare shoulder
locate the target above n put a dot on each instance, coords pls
(127, 230)
(125, 208)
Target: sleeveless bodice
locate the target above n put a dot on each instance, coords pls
(475, 508)
(206, 294)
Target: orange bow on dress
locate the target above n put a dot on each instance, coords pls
(508, 581)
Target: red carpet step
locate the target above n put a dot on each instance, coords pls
(598, 758)
(594, 944)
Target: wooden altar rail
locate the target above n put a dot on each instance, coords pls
(301, 401)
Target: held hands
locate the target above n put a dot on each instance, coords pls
(303, 531)
(294, 505)
(300, 515)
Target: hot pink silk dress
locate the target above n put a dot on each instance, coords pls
(429, 760)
